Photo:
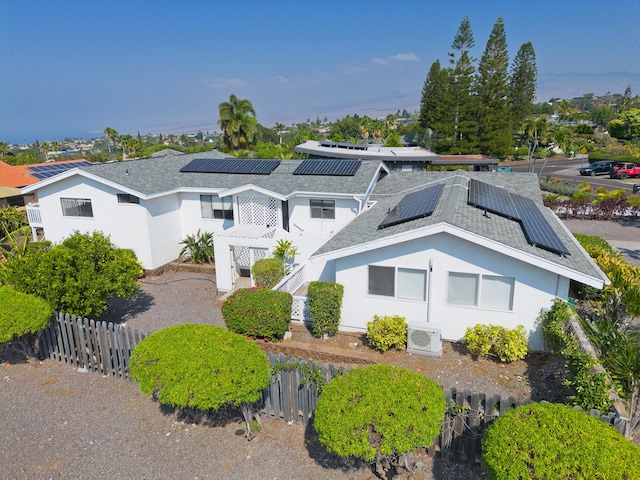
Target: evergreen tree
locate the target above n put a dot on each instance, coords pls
(493, 91)
(524, 75)
(461, 73)
(433, 104)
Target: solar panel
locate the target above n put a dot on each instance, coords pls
(231, 165)
(342, 168)
(413, 206)
(521, 209)
(45, 171)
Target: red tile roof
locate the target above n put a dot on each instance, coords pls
(19, 175)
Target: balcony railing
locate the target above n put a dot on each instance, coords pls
(33, 214)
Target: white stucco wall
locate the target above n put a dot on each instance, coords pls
(534, 289)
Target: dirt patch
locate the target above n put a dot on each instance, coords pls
(538, 377)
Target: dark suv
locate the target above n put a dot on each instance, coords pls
(597, 168)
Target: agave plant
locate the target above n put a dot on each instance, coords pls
(198, 247)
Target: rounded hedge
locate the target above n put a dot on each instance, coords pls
(267, 272)
(200, 366)
(22, 314)
(258, 312)
(552, 441)
(379, 410)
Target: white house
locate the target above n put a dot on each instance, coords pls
(445, 249)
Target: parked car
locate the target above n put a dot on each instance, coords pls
(624, 170)
(597, 168)
(505, 169)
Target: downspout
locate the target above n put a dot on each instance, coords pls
(429, 290)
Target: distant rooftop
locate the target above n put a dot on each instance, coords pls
(329, 149)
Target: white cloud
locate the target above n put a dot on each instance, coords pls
(227, 83)
(401, 57)
(281, 79)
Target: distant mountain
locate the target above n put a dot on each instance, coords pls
(572, 85)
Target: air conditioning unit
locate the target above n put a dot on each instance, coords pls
(424, 341)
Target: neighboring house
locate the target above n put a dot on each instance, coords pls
(396, 158)
(401, 243)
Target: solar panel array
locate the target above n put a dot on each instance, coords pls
(516, 207)
(231, 165)
(413, 206)
(45, 171)
(342, 168)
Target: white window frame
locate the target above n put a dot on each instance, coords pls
(76, 207)
(393, 287)
(487, 291)
(213, 207)
(324, 209)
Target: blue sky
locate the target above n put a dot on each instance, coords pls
(74, 67)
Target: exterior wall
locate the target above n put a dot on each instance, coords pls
(534, 288)
(126, 224)
(191, 216)
(300, 216)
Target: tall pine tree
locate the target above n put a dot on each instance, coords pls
(461, 75)
(524, 75)
(434, 103)
(495, 132)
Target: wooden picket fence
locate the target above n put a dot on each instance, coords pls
(293, 392)
(95, 346)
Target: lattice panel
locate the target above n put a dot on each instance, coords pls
(258, 211)
(241, 256)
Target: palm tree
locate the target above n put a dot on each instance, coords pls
(127, 144)
(278, 128)
(45, 148)
(535, 131)
(566, 110)
(112, 135)
(4, 148)
(238, 123)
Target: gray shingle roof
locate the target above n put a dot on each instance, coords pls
(154, 176)
(452, 209)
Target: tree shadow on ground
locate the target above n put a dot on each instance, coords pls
(330, 461)
(11, 353)
(122, 309)
(225, 416)
(545, 373)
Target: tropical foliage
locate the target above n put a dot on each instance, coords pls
(198, 248)
(238, 123)
(388, 331)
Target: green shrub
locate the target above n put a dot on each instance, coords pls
(590, 241)
(508, 344)
(77, 276)
(325, 303)
(21, 314)
(387, 332)
(11, 220)
(258, 312)
(379, 412)
(554, 322)
(511, 344)
(267, 272)
(555, 442)
(198, 247)
(201, 367)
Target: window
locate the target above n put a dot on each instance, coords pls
(126, 198)
(406, 283)
(484, 291)
(325, 209)
(76, 207)
(213, 206)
